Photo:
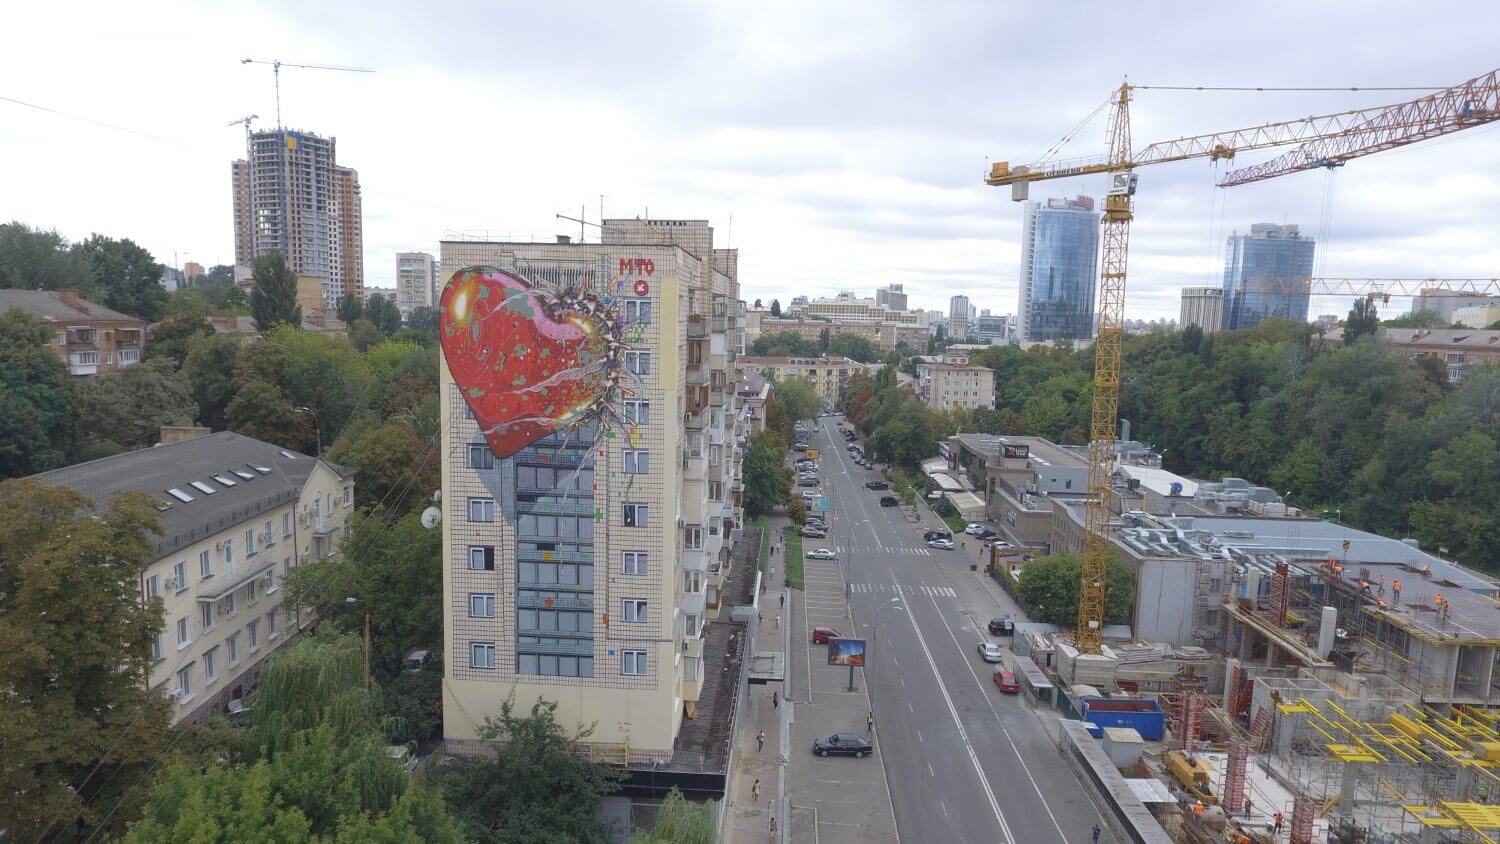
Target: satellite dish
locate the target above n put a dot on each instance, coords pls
(437, 495)
(431, 517)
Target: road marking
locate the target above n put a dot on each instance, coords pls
(984, 781)
(919, 736)
(930, 772)
(909, 709)
(944, 807)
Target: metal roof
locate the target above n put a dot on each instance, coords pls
(50, 306)
(276, 476)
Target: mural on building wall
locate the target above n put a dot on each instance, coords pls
(532, 361)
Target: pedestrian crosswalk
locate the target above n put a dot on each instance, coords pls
(895, 589)
(875, 549)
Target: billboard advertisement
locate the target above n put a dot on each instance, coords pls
(849, 652)
(1015, 450)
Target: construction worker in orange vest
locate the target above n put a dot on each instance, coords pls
(1397, 588)
(1426, 570)
(1276, 829)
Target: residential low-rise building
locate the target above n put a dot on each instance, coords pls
(886, 335)
(829, 375)
(237, 515)
(1457, 348)
(90, 338)
(754, 392)
(948, 386)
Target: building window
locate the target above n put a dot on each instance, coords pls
(252, 631)
(633, 663)
(271, 623)
(185, 683)
(229, 604)
(250, 592)
(637, 311)
(637, 461)
(634, 562)
(348, 495)
(228, 554)
(481, 558)
(635, 610)
(482, 655)
(210, 658)
(692, 626)
(250, 542)
(636, 515)
(206, 616)
(638, 411)
(153, 586)
(270, 580)
(158, 649)
(205, 565)
(480, 456)
(179, 577)
(692, 538)
(481, 605)
(182, 633)
(481, 509)
(716, 490)
(713, 455)
(638, 363)
(286, 525)
(232, 644)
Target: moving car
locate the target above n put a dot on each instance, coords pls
(877, 485)
(844, 744)
(889, 501)
(940, 544)
(989, 652)
(936, 534)
(821, 554)
(1002, 626)
(813, 532)
(821, 635)
(1007, 682)
(974, 528)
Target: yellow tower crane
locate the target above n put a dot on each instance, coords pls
(1324, 141)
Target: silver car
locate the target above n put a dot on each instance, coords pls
(990, 652)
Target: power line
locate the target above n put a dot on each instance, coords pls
(83, 119)
(1262, 88)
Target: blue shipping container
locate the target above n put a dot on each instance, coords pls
(1140, 714)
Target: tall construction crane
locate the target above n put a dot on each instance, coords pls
(278, 64)
(1327, 140)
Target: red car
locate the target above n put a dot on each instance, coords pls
(821, 635)
(1007, 682)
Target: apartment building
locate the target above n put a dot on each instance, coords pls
(885, 335)
(848, 308)
(91, 339)
(1457, 348)
(237, 515)
(587, 568)
(829, 375)
(945, 386)
(1203, 307)
(754, 393)
(415, 281)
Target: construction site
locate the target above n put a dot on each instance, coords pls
(1300, 681)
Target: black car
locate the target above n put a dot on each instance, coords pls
(844, 744)
(889, 501)
(877, 485)
(986, 534)
(1002, 626)
(936, 534)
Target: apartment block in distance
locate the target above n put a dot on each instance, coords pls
(291, 195)
(829, 375)
(886, 336)
(593, 568)
(955, 384)
(415, 286)
(91, 339)
(237, 515)
(1203, 307)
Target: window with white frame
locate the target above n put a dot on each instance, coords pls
(481, 509)
(267, 536)
(691, 626)
(637, 311)
(348, 495)
(637, 461)
(480, 456)
(185, 682)
(481, 558)
(271, 623)
(205, 565)
(250, 542)
(636, 515)
(692, 581)
(232, 644)
(153, 586)
(713, 455)
(229, 604)
(481, 654)
(635, 610)
(179, 576)
(210, 667)
(637, 411)
(634, 562)
(250, 592)
(158, 649)
(481, 605)
(692, 537)
(638, 363)
(633, 663)
(286, 525)
(716, 490)
(252, 632)
(228, 554)
(182, 633)
(206, 616)
(270, 581)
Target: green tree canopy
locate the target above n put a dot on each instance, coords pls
(79, 722)
(785, 344)
(775, 309)
(1049, 588)
(350, 308)
(423, 318)
(1417, 319)
(798, 397)
(384, 313)
(679, 821)
(1363, 320)
(37, 399)
(273, 300)
(396, 465)
(171, 337)
(210, 366)
(767, 479)
(854, 347)
(128, 277)
(262, 410)
(34, 259)
(127, 410)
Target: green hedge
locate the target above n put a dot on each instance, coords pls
(791, 544)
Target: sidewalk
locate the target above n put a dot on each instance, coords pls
(749, 818)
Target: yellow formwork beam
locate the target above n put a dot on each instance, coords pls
(1479, 818)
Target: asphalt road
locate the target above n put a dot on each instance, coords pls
(964, 762)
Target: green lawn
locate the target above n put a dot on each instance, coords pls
(955, 523)
(765, 540)
(791, 545)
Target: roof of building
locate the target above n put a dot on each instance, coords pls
(826, 360)
(953, 367)
(244, 478)
(52, 306)
(751, 385)
(1458, 338)
(1045, 451)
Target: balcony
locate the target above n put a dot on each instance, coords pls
(577, 647)
(323, 525)
(566, 601)
(693, 603)
(697, 327)
(585, 557)
(697, 375)
(557, 507)
(694, 561)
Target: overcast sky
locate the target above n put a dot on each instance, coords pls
(839, 146)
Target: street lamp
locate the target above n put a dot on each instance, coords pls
(317, 427)
(367, 637)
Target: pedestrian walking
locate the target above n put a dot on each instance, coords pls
(760, 741)
(778, 621)
(775, 700)
(1097, 830)
(1247, 807)
(783, 599)
(755, 790)
(1276, 826)
(870, 722)
(773, 825)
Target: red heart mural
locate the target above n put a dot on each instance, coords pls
(529, 362)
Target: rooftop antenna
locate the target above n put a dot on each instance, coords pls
(277, 64)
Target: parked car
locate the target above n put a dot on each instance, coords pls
(1000, 543)
(877, 485)
(816, 521)
(936, 534)
(889, 501)
(1007, 682)
(813, 532)
(807, 481)
(821, 635)
(989, 652)
(844, 744)
(1002, 626)
(973, 529)
(821, 554)
(986, 534)
(800, 447)
(867, 463)
(940, 544)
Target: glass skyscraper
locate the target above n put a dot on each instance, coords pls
(1256, 266)
(1059, 259)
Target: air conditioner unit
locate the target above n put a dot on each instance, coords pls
(176, 695)
(171, 583)
(219, 546)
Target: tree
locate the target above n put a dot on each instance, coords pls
(33, 259)
(1363, 320)
(324, 373)
(127, 410)
(384, 313)
(796, 509)
(37, 399)
(364, 334)
(395, 465)
(798, 397)
(262, 411)
(679, 821)
(767, 479)
(784, 344)
(1049, 588)
(1417, 319)
(210, 369)
(535, 788)
(128, 277)
(75, 658)
(775, 309)
(350, 308)
(273, 300)
(757, 304)
(854, 347)
(423, 318)
(824, 338)
(171, 338)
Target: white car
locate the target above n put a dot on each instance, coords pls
(990, 652)
(821, 554)
(974, 529)
(940, 544)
